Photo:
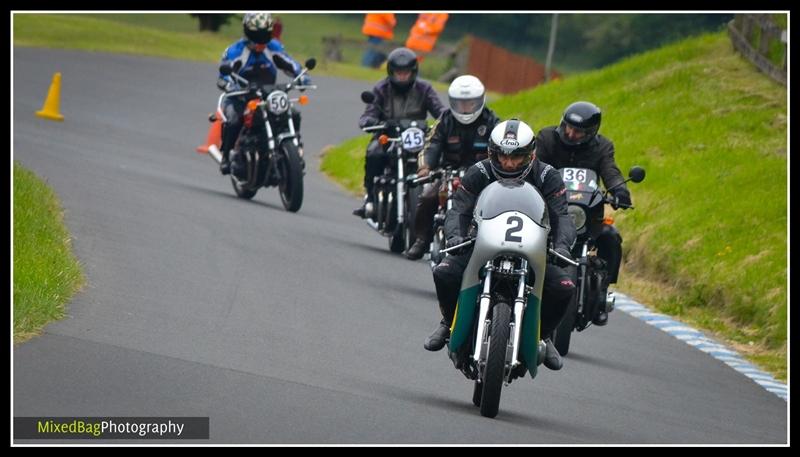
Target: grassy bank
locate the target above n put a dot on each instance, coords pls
(176, 36)
(46, 273)
(707, 242)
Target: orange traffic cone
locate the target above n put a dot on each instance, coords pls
(214, 136)
(50, 108)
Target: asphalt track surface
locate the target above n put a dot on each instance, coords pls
(294, 328)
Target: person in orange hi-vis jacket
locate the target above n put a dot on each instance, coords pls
(377, 27)
(425, 32)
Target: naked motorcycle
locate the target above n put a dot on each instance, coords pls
(267, 151)
(586, 205)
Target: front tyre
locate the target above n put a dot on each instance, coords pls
(495, 360)
(397, 242)
(412, 198)
(291, 170)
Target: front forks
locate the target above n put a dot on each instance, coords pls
(520, 304)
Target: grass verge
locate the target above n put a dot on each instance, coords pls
(46, 273)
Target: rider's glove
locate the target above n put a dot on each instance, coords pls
(455, 241)
(305, 81)
(621, 197)
(391, 125)
(423, 172)
(368, 121)
(224, 85)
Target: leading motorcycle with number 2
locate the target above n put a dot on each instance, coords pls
(495, 335)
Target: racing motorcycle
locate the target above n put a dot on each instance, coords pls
(586, 204)
(452, 181)
(267, 151)
(393, 204)
(495, 335)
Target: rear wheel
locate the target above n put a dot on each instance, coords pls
(495, 360)
(291, 185)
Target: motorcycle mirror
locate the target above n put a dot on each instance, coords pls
(367, 96)
(636, 174)
(282, 63)
(225, 69)
(311, 63)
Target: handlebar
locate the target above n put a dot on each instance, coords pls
(607, 198)
(565, 259)
(415, 180)
(458, 246)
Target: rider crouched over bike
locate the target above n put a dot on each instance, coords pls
(575, 143)
(252, 55)
(458, 138)
(512, 156)
(401, 95)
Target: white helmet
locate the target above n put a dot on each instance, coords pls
(467, 98)
(512, 138)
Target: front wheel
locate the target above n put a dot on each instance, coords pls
(412, 198)
(495, 360)
(397, 242)
(291, 169)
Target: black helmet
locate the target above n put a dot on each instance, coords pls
(402, 59)
(512, 138)
(583, 116)
(258, 27)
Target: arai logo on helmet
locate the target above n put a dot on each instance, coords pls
(509, 143)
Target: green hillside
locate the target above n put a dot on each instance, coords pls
(176, 36)
(707, 242)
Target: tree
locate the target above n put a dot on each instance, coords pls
(212, 22)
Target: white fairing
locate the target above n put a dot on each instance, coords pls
(522, 231)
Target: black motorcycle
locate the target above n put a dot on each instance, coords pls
(587, 206)
(450, 183)
(392, 207)
(267, 150)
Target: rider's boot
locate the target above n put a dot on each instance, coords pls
(365, 210)
(552, 359)
(225, 149)
(601, 319)
(439, 337)
(418, 249)
(225, 163)
(608, 305)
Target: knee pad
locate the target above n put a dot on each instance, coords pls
(444, 274)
